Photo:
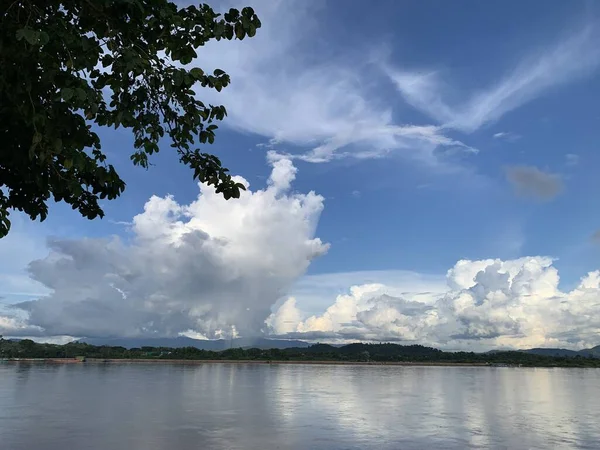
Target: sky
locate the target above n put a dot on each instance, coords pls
(417, 171)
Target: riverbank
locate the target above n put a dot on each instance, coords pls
(350, 354)
(236, 361)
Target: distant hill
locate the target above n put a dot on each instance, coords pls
(588, 352)
(594, 351)
(552, 352)
(264, 344)
(180, 342)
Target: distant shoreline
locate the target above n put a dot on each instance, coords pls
(242, 361)
(359, 354)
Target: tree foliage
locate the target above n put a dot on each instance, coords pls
(68, 67)
(358, 352)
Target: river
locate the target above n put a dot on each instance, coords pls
(261, 406)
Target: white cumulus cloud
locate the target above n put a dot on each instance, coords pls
(488, 304)
(209, 267)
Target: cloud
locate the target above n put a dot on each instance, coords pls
(487, 304)
(506, 136)
(287, 318)
(23, 244)
(311, 291)
(214, 268)
(15, 326)
(571, 159)
(283, 90)
(574, 57)
(209, 267)
(178, 278)
(530, 181)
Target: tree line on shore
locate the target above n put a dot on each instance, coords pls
(357, 352)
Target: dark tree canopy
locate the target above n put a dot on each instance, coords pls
(68, 67)
(377, 353)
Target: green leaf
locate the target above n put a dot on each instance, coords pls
(81, 94)
(177, 78)
(32, 36)
(28, 34)
(219, 30)
(240, 33)
(107, 60)
(66, 94)
(232, 15)
(79, 161)
(37, 138)
(4, 226)
(44, 38)
(247, 12)
(197, 73)
(58, 145)
(68, 164)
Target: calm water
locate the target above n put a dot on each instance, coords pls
(223, 406)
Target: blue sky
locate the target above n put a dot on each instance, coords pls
(434, 131)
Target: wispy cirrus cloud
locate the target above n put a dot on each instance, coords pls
(508, 136)
(570, 59)
(320, 108)
(286, 91)
(572, 159)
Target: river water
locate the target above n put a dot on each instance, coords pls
(261, 406)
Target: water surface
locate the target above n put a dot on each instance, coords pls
(246, 406)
